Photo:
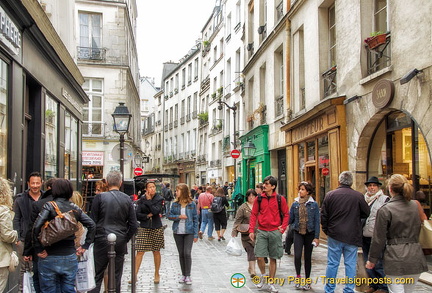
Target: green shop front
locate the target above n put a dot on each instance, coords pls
(255, 165)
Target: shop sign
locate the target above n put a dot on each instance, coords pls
(10, 36)
(92, 158)
(308, 129)
(383, 93)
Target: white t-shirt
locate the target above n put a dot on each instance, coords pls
(182, 224)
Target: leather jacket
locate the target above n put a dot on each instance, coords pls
(154, 207)
(67, 245)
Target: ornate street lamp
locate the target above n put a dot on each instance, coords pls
(249, 149)
(234, 109)
(122, 119)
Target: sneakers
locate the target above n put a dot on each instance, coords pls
(297, 286)
(210, 238)
(182, 279)
(188, 280)
(307, 287)
(271, 288)
(261, 283)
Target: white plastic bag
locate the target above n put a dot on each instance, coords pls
(28, 283)
(85, 276)
(234, 247)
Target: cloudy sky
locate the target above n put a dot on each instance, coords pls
(167, 30)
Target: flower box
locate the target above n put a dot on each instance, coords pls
(376, 41)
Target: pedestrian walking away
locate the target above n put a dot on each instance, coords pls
(270, 210)
(205, 200)
(305, 218)
(185, 229)
(396, 236)
(342, 212)
(219, 205)
(113, 212)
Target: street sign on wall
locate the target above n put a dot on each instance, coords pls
(138, 171)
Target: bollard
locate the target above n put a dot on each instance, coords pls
(111, 262)
(134, 276)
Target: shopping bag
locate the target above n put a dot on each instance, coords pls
(85, 276)
(14, 261)
(234, 247)
(425, 237)
(28, 283)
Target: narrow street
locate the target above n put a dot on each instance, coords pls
(212, 269)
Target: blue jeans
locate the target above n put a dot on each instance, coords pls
(58, 271)
(378, 271)
(207, 218)
(335, 250)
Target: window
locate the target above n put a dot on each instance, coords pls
(298, 64)
(279, 82)
(189, 73)
(3, 117)
(380, 16)
(71, 147)
(332, 35)
(51, 137)
(92, 115)
(196, 69)
(90, 44)
(183, 78)
(329, 76)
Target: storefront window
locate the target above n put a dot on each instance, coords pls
(71, 147)
(324, 169)
(258, 173)
(3, 118)
(301, 153)
(399, 147)
(51, 126)
(310, 150)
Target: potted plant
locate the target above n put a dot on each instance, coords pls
(376, 39)
(203, 116)
(213, 96)
(220, 91)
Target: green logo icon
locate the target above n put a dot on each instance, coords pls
(238, 280)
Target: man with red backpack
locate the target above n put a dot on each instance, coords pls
(271, 211)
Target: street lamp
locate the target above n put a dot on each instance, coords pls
(122, 119)
(234, 109)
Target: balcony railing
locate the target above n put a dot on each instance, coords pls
(89, 53)
(93, 128)
(379, 57)
(182, 120)
(330, 83)
(279, 106)
(279, 11)
(194, 114)
(188, 117)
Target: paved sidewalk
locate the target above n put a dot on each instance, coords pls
(212, 269)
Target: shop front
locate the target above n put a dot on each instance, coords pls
(255, 166)
(187, 173)
(316, 148)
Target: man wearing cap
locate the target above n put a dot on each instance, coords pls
(375, 199)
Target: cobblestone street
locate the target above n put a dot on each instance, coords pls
(212, 269)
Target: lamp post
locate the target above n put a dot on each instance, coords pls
(249, 149)
(234, 109)
(122, 119)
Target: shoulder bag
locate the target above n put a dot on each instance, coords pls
(59, 228)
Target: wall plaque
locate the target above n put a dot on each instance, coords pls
(383, 93)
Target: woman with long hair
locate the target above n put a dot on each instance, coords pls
(7, 234)
(220, 218)
(396, 232)
(150, 236)
(242, 218)
(185, 228)
(305, 218)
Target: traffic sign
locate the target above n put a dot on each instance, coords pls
(138, 171)
(325, 171)
(235, 154)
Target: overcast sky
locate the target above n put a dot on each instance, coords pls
(167, 30)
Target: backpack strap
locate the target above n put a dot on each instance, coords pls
(279, 200)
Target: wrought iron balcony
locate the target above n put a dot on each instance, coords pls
(90, 53)
(330, 82)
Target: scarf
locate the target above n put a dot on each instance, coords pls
(303, 217)
(370, 199)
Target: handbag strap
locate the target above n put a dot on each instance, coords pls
(56, 208)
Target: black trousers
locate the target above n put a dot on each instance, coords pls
(100, 252)
(305, 241)
(184, 247)
(220, 220)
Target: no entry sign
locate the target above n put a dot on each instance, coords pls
(235, 154)
(138, 171)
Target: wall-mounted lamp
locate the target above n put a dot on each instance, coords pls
(349, 100)
(249, 149)
(410, 75)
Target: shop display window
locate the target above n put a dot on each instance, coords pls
(3, 117)
(51, 138)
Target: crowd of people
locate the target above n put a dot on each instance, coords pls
(386, 227)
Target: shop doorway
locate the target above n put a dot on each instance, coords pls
(399, 147)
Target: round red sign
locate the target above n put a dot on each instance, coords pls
(138, 171)
(325, 171)
(235, 154)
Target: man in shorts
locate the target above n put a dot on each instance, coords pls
(271, 210)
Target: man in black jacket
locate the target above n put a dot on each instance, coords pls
(341, 214)
(113, 212)
(22, 222)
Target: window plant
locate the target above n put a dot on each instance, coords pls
(375, 39)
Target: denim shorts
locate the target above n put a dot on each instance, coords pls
(269, 244)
